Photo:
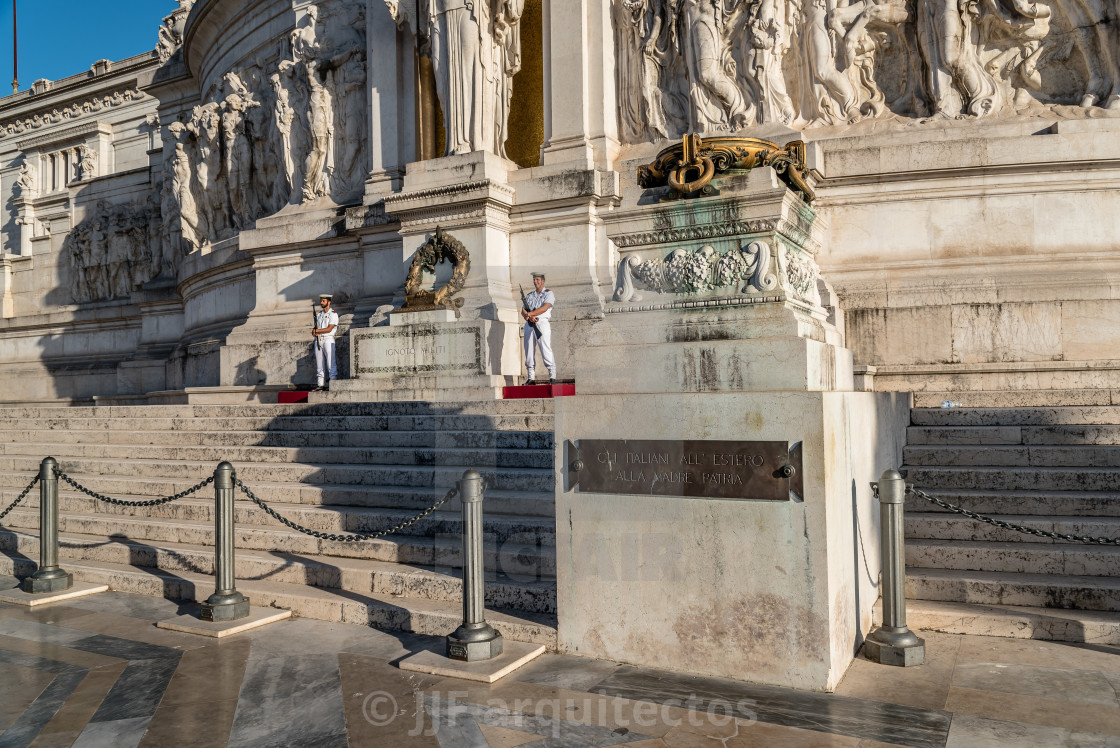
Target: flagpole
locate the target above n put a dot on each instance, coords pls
(15, 52)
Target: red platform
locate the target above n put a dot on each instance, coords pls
(524, 391)
(286, 397)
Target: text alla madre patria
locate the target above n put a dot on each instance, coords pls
(690, 467)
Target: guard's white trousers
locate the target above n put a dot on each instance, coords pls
(324, 359)
(544, 340)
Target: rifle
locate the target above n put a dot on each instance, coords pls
(315, 322)
(525, 306)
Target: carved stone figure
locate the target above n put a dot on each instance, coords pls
(320, 117)
(184, 199)
(283, 116)
(26, 180)
(238, 156)
(717, 102)
(1099, 44)
(87, 163)
(641, 29)
(474, 44)
(213, 201)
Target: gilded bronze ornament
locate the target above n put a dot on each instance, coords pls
(689, 168)
(441, 247)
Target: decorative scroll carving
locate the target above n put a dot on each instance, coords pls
(441, 247)
(112, 252)
(719, 66)
(688, 168)
(692, 271)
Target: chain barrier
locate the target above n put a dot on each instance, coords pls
(20, 498)
(347, 538)
(1087, 539)
(152, 502)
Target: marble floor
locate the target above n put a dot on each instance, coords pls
(97, 672)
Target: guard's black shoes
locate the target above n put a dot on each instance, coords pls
(318, 388)
(530, 382)
(551, 381)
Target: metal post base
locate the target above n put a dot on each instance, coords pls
(900, 648)
(474, 642)
(224, 607)
(55, 580)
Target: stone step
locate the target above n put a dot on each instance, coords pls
(947, 526)
(240, 422)
(1012, 456)
(511, 557)
(504, 478)
(388, 612)
(1014, 622)
(442, 523)
(1057, 416)
(1069, 559)
(1030, 435)
(1007, 588)
(350, 456)
(497, 501)
(1018, 398)
(353, 575)
(1025, 502)
(1002, 478)
(396, 439)
(482, 407)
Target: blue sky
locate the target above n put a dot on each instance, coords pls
(58, 38)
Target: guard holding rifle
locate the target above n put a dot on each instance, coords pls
(326, 324)
(536, 310)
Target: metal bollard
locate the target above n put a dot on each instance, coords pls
(226, 604)
(476, 639)
(893, 643)
(49, 577)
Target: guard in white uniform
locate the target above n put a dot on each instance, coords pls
(326, 324)
(538, 311)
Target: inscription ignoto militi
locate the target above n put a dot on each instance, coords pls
(760, 471)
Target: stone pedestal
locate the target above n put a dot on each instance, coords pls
(431, 356)
(716, 334)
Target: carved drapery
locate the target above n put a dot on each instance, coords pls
(475, 49)
(712, 66)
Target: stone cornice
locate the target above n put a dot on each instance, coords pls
(72, 133)
(106, 98)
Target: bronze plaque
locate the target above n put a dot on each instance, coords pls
(761, 471)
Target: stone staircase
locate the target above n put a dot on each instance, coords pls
(333, 467)
(1054, 468)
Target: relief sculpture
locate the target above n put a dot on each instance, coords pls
(279, 131)
(112, 253)
(721, 66)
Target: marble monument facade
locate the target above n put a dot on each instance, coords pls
(167, 216)
(935, 205)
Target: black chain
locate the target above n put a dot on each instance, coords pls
(1010, 526)
(349, 538)
(19, 498)
(152, 502)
